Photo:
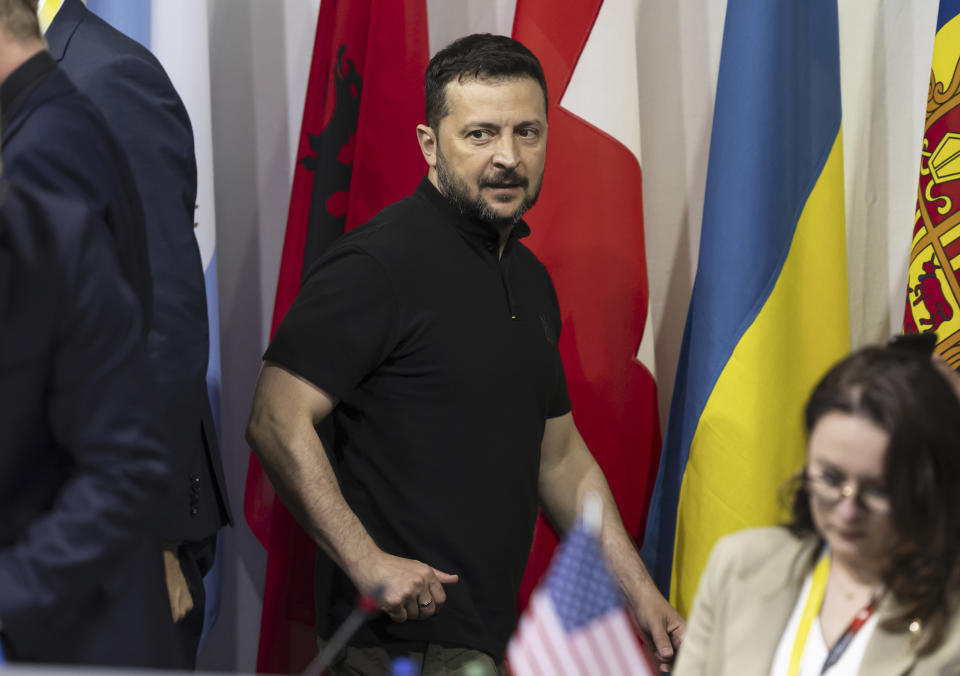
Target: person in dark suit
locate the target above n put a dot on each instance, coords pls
(84, 460)
(55, 138)
(146, 115)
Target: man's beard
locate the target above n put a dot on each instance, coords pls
(457, 191)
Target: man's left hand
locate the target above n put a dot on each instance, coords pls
(660, 623)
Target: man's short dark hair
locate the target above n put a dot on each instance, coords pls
(479, 56)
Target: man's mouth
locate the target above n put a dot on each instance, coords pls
(506, 182)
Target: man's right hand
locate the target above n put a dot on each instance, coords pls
(408, 589)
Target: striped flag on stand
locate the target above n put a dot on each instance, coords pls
(768, 314)
(576, 623)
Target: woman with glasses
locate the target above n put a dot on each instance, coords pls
(865, 579)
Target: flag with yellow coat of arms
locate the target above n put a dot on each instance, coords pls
(933, 278)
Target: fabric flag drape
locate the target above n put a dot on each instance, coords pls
(933, 277)
(769, 310)
(177, 34)
(358, 153)
(587, 228)
(131, 17)
(577, 624)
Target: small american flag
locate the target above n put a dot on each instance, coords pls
(576, 624)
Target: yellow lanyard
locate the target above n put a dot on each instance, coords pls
(47, 12)
(810, 611)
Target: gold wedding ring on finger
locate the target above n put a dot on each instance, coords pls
(425, 604)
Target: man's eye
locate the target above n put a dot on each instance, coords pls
(479, 134)
(528, 132)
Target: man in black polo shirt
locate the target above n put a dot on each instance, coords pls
(431, 335)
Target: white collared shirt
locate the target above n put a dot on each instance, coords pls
(815, 651)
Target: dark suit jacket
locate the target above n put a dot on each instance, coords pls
(146, 115)
(83, 458)
(55, 138)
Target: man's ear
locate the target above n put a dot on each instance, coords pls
(427, 139)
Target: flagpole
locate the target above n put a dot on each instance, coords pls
(367, 607)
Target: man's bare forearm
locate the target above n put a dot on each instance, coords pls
(296, 463)
(282, 433)
(578, 474)
(568, 473)
(622, 556)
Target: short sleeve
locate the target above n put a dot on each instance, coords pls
(342, 324)
(560, 403)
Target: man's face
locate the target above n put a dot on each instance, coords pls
(491, 147)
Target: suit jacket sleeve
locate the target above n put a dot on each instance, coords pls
(149, 120)
(100, 412)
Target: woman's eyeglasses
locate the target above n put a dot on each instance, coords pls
(830, 488)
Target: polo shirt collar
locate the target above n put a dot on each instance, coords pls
(473, 230)
(21, 82)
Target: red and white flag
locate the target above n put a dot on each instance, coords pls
(358, 153)
(587, 228)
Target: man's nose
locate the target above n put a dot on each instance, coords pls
(505, 152)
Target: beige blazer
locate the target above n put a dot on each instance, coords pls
(746, 597)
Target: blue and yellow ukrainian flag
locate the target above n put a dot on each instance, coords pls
(769, 311)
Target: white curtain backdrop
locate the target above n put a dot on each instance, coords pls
(259, 60)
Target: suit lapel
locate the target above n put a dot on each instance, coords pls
(775, 607)
(887, 653)
(893, 652)
(770, 593)
(6, 260)
(64, 25)
(779, 589)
